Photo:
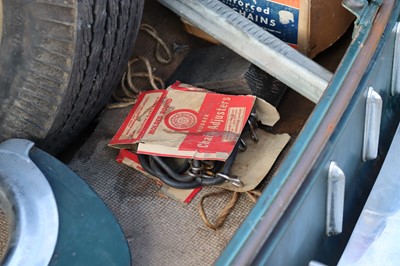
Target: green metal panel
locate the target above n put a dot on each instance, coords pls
(294, 235)
(88, 233)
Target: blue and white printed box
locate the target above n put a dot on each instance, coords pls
(311, 26)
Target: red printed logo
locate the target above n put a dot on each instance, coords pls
(182, 119)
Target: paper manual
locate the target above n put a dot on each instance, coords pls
(167, 122)
(185, 122)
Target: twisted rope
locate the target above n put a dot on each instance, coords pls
(227, 209)
(128, 91)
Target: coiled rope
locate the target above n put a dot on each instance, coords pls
(129, 91)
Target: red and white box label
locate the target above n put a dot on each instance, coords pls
(185, 123)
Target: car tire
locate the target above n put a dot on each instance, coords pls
(59, 62)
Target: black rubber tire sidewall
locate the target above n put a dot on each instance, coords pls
(51, 97)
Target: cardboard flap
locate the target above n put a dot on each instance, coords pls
(252, 165)
(266, 112)
(186, 123)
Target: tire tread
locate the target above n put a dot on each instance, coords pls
(77, 56)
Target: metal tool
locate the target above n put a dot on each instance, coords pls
(253, 125)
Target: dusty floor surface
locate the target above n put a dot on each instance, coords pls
(161, 231)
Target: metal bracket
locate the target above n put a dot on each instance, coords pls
(365, 12)
(396, 62)
(335, 200)
(257, 46)
(357, 7)
(373, 115)
(234, 180)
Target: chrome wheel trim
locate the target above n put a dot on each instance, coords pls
(35, 216)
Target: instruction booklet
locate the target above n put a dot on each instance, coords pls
(189, 122)
(185, 122)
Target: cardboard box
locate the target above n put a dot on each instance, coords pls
(310, 26)
(189, 122)
(185, 123)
